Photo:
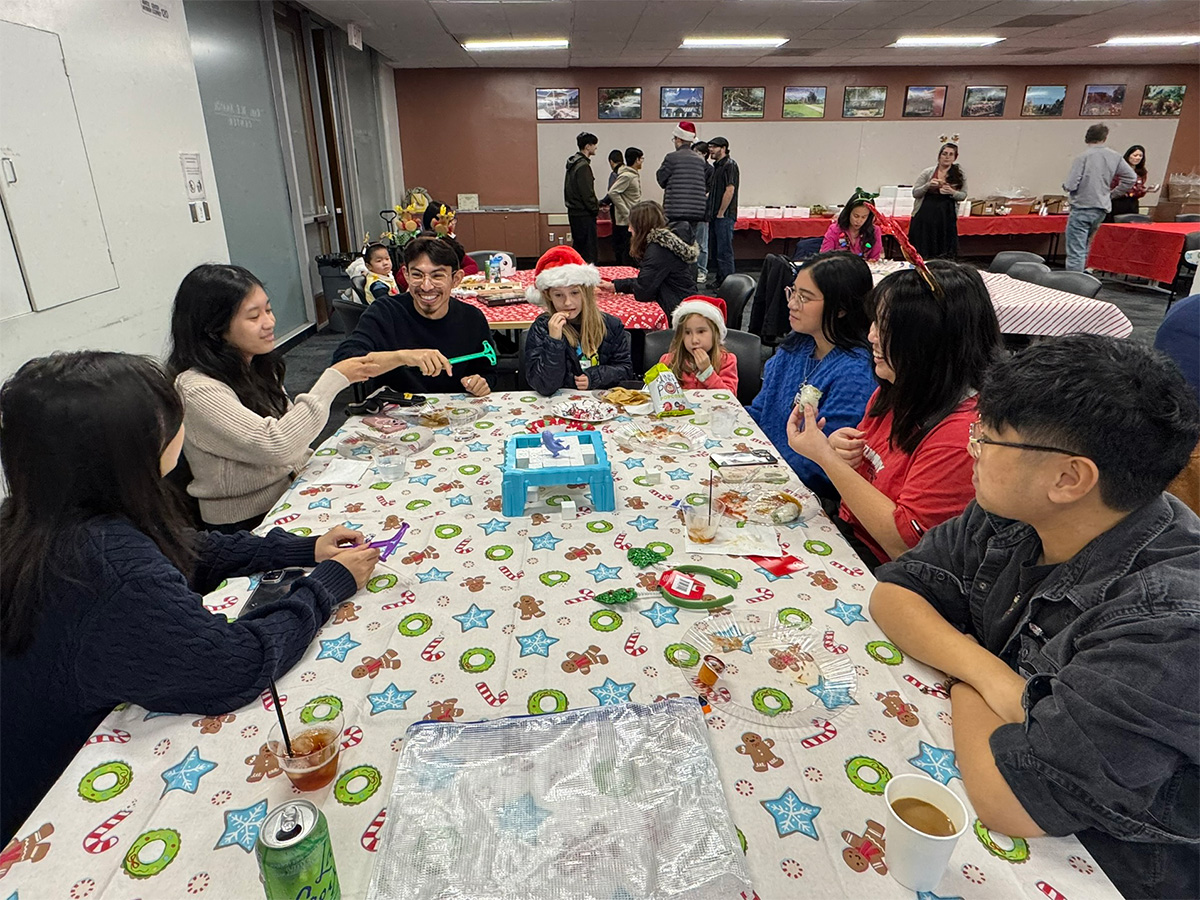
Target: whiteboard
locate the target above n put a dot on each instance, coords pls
(806, 162)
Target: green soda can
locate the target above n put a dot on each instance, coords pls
(295, 856)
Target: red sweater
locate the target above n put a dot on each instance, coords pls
(928, 487)
(725, 380)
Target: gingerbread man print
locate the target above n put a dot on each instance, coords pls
(758, 748)
(263, 764)
(895, 707)
(866, 849)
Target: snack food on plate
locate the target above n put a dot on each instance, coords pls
(434, 419)
(625, 397)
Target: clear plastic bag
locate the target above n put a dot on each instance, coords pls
(590, 804)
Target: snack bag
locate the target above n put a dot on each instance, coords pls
(665, 393)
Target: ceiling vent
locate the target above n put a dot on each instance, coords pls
(1038, 21)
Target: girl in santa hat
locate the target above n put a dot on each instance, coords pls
(574, 345)
(698, 356)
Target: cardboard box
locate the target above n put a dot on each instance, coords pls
(1053, 203)
(1167, 210)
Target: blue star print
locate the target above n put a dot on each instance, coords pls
(832, 696)
(488, 408)
(460, 500)
(679, 475)
(337, 648)
(353, 526)
(770, 576)
(421, 479)
(545, 541)
(522, 817)
(603, 572)
(361, 451)
(641, 523)
(323, 503)
(638, 463)
(432, 574)
(937, 762)
(242, 827)
(517, 423)
(474, 618)
(847, 612)
(792, 815)
(391, 697)
(611, 693)
(661, 614)
(709, 443)
(445, 431)
(186, 775)
(493, 525)
(536, 644)
(930, 895)
(478, 447)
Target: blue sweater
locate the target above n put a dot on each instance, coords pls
(846, 379)
(135, 630)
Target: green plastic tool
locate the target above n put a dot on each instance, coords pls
(488, 353)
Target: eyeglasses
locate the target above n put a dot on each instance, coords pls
(437, 278)
(976, 439)
(790, 291)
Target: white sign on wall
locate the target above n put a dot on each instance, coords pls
(193, 177)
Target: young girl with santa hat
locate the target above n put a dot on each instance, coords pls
(574, 345)
(697, 355)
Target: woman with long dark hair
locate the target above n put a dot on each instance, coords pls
(667, 256)
(855, 231)
(939, 189)
(827, 351)
(99, 591)
(245, 438)
(1130, 201)
(906, 468)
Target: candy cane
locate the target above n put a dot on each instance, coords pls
(583, 510)
(353, 737)
(855, 572)
(761, 594)
(225, 603)
(406, 598)
(370, 837)
(292, 518)
(1050, 891)
(631, 645)
(508, 573)
(95, 841)
(934, 691)
(828, 733)
(463, 548)
(268, 703)
(431, 653)
(486, 693)
(117, 737)
(483, 479)
(584, 594)
(831, 646)
(620, 543)
(660, 496)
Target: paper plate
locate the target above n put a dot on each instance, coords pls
(662, 437)
(557, 422)
(586, 410)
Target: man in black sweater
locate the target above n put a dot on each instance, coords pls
(579, 195)
(412, 335)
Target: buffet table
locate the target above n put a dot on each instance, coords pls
(776, 229)
(1145, 249)
(479, 616)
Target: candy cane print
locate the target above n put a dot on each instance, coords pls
(370, 837)
(584, 594)
(268, 703)
(934, 691)
(761, 594)
(117, 737)
(486, 693)
(660, 496)
(508, 573)
(855, 572)
(225, 603)
(353, 737)
(631, 645)
(620, 543)
(283, 521)
(431, 652)
(831, 646)
(95, 841)
(828, 733)
(1050, 891)
(462, 547)
(483, 479)
(406, 598)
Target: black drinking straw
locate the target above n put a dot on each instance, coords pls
(710, 484)
(287, 741)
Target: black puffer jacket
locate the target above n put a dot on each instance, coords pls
(552, 363)
(683, 176)
(668, 270)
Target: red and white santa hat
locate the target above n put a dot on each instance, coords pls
(712, 308)
(560, 266)
(685, 131)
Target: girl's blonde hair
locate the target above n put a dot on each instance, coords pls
(681, 361)
(591, 331)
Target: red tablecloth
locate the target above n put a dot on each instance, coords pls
(1146, 249)
(775, 229)
(631, 312)
(1025, 308)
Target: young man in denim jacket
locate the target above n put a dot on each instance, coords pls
(1065, 602)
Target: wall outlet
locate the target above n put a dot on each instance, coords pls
(551, 237)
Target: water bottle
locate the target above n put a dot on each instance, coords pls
(494, 264)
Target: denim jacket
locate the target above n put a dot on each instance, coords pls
(1109, 644)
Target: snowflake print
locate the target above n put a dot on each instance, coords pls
(197, 883)
(877, 736)
(82, 888)
(945, 718)
(791, 868)
(564, 621)
(862, 671)
(743, 787)
(437, 678)
(397, 744)
(813, 774)
(519, 673)
(508, 629)
(443, 601)
(373, 626)
(249, 731)
(973, 874)
(220, 798)
(650, 672)
(162, 746)
(1079, 864)
(308, 677)
(716, 723)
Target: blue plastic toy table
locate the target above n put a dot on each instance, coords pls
(521, 475)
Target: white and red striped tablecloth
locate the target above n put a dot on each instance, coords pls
(631, 312)
(1025, 308)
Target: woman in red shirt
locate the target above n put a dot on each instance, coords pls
(906, 467)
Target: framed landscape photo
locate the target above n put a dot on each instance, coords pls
(984, 101)
(1162, 100)
(619, 103)
(804, 102)
(1102, 100)
(864, 102)
(681, 103)
(1044, 101)
(743, 103)
(558, 103)
(925, 102)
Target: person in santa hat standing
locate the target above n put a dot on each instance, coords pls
(683, 178)
(574, 345)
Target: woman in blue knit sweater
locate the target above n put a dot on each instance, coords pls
(100, 589)
(827, 350)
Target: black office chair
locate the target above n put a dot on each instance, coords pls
(736, 290)
(359, 284)
(1130, 218)
(347, 315)
(522, 377)
(1080, 283)
(1182, 285)
(1006, 259)
(745, 346)
(1188, 217)
(1028, 271)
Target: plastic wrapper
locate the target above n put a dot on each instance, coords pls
(590, 804)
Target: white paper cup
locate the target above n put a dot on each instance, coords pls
(723, 419)
(915, 859)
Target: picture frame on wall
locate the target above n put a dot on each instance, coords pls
(804, 102)
(743, 103)
(619, 103)
(681, 103)
(864, 102)
(1102, 100)
(1044, 101)
(925, 101)
(557, 103)
(1162, 100)
(984, 101)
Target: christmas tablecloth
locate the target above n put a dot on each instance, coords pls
(1146, 249)
(816, 226)
(478, 616)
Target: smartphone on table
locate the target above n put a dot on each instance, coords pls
(274, 585)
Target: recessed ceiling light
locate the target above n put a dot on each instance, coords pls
(966, 40)
(518, 44)
(1154, 40)
(694, 43)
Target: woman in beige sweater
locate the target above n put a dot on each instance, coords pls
(243, 437)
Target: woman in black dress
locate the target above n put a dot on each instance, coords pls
(934, 226)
